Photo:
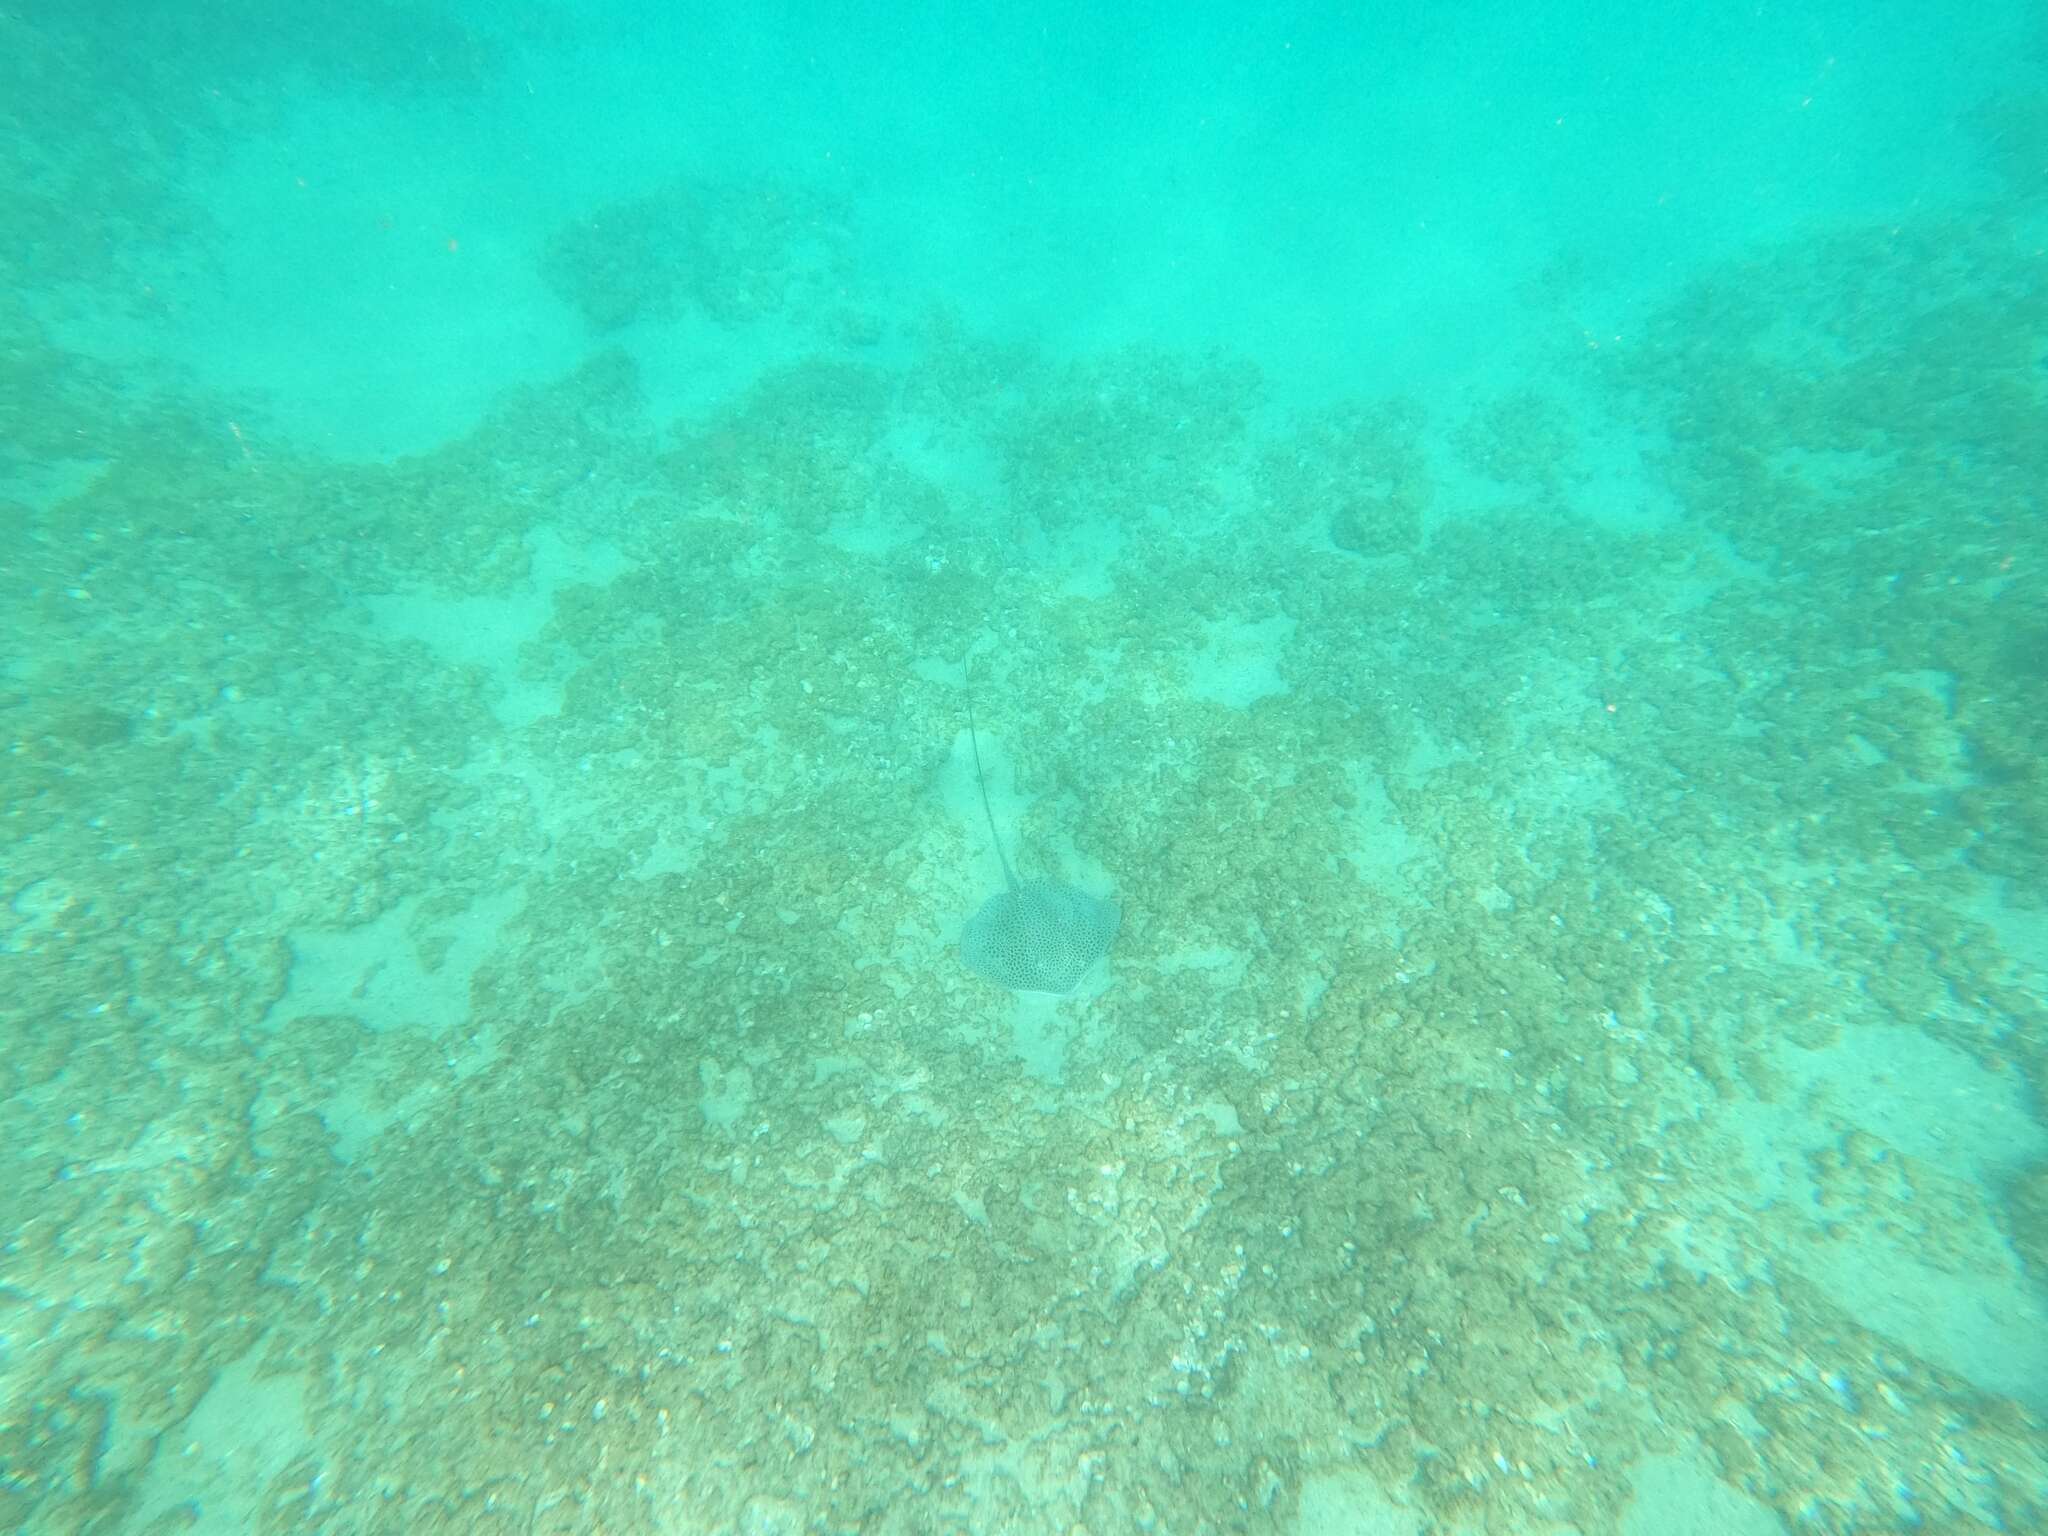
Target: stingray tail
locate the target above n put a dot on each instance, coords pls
(981, 780)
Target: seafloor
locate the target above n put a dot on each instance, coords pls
(486, 1046)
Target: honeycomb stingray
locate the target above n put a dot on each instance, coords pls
(1038, 936)
(1035, 935)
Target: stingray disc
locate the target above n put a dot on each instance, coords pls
(1038, 937)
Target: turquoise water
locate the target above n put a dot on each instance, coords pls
(1509, 548)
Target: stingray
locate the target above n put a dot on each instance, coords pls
(1033, 935)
